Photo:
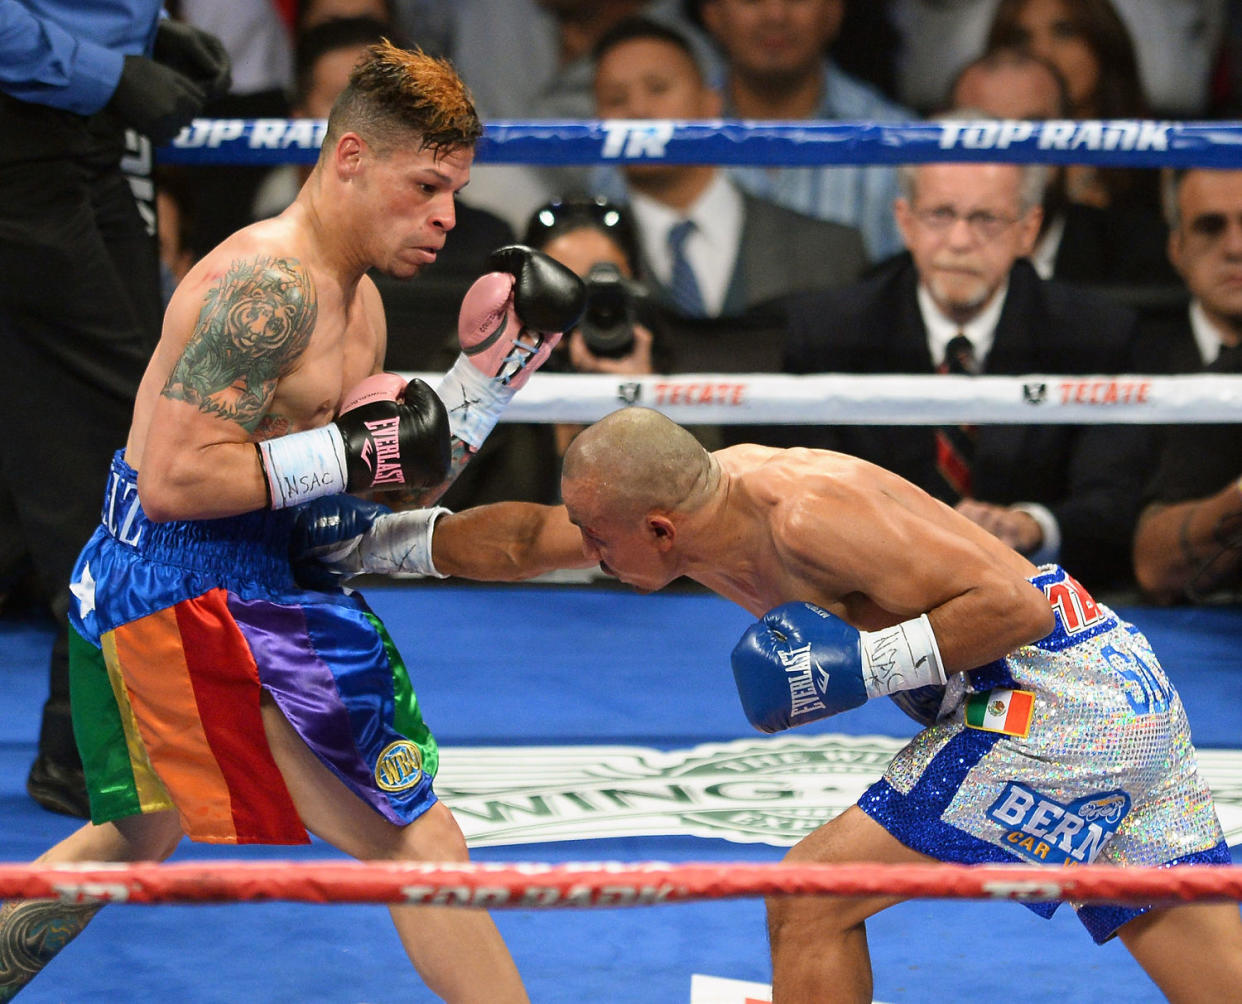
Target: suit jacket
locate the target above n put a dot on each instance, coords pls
(1089, 477)
(783, 252)
(1119, 246)
(1166, 343)
(1199, 459)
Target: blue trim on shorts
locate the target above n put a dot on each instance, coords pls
(1103, 920)
(915, 819)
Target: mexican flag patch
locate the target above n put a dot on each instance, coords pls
(1007, 711)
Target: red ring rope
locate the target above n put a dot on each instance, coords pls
(603, 884)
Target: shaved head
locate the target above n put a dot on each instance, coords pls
(637, 460)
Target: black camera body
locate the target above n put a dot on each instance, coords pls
(612, 309)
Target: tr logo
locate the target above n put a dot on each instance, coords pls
(630, 139)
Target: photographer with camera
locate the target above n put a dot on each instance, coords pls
(621, 331)
(597, 240)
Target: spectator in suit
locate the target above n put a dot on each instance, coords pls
(965, 297)
(776, 68)
(708, 247)
(1114, 245)
(1189, 537)
(531, 59)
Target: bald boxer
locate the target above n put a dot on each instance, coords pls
(1058, 738)
(211, 696)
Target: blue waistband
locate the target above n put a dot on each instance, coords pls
(253, 546)
(1078, 617)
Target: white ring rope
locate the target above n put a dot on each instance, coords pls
(867, 399)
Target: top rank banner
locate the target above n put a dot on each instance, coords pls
(1105, 142)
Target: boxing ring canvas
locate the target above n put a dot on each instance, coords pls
(594, 724)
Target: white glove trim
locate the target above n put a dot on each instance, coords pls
(902, 657)
(400, 542)
(303, 466)
(473, 401)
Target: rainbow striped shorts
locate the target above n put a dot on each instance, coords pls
(175, 631)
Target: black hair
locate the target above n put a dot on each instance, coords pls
(634, 28)
(583, 212)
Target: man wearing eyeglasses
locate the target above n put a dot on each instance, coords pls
(1189, 538)
(965, 298)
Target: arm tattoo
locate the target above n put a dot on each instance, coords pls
(255, 324)
(420, 498)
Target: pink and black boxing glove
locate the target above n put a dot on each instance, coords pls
(388, 435)
(510, 321)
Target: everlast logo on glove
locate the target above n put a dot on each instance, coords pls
(398, 438)
(387, 445)
(803, 694)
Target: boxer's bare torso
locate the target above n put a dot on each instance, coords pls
(266, 334)
(773, 526)
(262, 338)
(837, 528)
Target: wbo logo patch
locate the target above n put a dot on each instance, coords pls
(1044, 831)
(399, 766)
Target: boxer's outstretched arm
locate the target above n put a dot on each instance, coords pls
(507, 541)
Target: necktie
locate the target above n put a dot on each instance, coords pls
(955, 444)
(1229, 360)
(683, 286)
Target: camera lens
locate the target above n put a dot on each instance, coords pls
(608, 322)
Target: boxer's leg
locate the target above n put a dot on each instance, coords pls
(458, 952)
(1193, 953)
(33, 931)
(820, 942)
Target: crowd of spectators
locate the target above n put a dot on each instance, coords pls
(841, 269)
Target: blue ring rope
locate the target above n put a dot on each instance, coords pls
(1108, 142)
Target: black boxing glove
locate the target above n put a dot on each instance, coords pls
(547, 296)
(389, 435)
(155, 99)
(510, 321)
(194, 53)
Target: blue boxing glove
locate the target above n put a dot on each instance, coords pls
(922, 704)
(325, 530)
(338, 536)
(799, 664)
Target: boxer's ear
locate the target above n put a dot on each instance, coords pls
(662, 529)
(349, 154)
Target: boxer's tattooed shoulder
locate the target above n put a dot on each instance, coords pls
(255, 323)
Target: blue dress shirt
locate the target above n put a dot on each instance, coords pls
(68, 53)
